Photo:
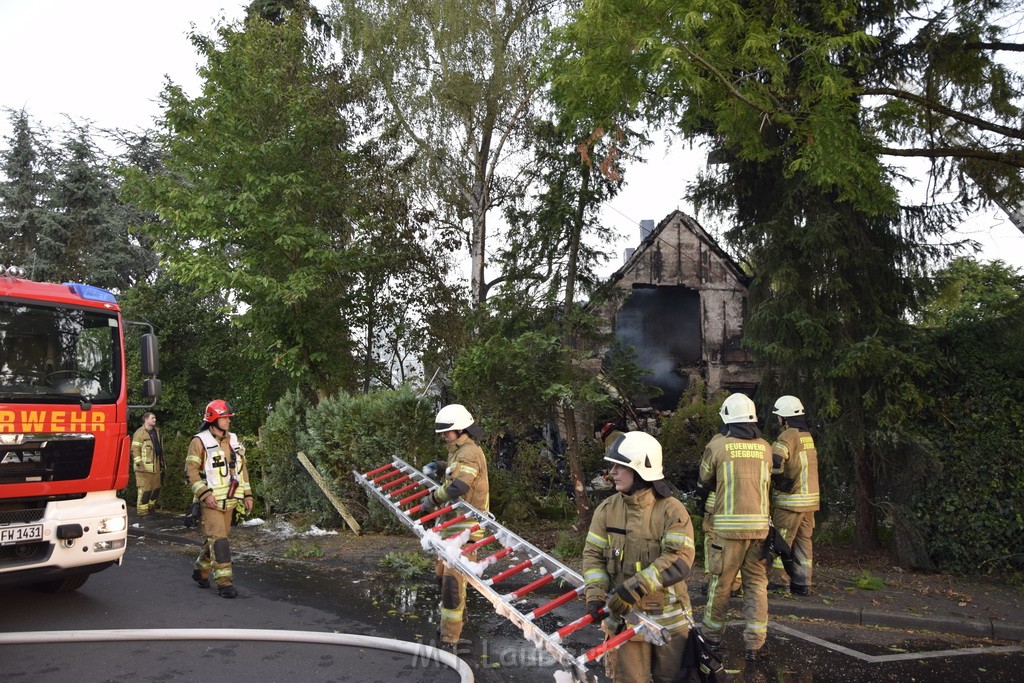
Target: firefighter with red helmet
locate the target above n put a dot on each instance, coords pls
(216, 472)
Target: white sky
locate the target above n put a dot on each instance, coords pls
(105, 62)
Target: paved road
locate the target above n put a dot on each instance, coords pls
(153, 591)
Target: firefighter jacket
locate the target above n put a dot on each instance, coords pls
(216, 466)
(800, 466)
(648, 540)
(739, 472)
(144, 452)
(466, 464)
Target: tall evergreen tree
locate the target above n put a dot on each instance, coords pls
(26, 188)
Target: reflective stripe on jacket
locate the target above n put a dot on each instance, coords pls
(800, 464)
(466, 463)
(644, 536)
(739, 471)
(208, 467)
(144, 452)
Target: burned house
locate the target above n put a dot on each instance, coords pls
(684, 310)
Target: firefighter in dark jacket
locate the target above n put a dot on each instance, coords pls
(216, 472)
(148, 463)
(465, 478)
(737, 469)
(638, 552)
(795, 492)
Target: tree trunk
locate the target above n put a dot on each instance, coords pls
(864, 501)
(579, 489)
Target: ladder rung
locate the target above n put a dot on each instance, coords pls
(472, 548)
(404, 489)
(378, 470)
(534, 585)
(396, 482)
(387, 475)
(574, 626)
(501, 576)
(609, 644)
(413, 497)
(554, 604)
(490, 559)
(430, 515)
(451, 522)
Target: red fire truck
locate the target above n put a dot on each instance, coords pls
(64, 440)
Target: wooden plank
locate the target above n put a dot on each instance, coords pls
(338, 505)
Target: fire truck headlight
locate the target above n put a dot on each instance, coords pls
(113, 544)
(110, 525)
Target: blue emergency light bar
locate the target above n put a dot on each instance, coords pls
(92, 293)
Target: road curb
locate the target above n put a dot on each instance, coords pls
(965, 626)
(171, 537)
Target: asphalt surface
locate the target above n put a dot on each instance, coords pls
(964, 605)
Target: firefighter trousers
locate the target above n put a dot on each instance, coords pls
(726, 558)
(453, 599)
(797, 528)
(148, 485)
(636, 660)
(216, 554)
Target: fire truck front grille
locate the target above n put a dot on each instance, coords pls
(24, 553)
(46, 457)
(21, 516)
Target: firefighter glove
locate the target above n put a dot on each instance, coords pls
(594, 609)
(624, 597)
(428, 504)
(703, 491)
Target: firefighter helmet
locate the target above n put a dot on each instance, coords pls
(788, 406)
(452, 417)
(738, 408)
(640, 452)
(217, 408)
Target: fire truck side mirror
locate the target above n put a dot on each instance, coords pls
(150, 359)
(151, 388)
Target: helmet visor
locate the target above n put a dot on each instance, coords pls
(613, 454)
(443, 426)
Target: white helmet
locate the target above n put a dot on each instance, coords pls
(452, 417)
(738, 408)
(640, 452)
(788, 406)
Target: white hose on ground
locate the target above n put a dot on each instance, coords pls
(425, 652)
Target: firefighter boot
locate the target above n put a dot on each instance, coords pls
(227, 592)
(799, 589)
(752, 655)
(200, 580)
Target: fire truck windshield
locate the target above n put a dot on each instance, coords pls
(50, 353)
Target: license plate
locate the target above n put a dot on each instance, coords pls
(21, 534)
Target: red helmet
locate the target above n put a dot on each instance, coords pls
(217, 408)
(609, 426)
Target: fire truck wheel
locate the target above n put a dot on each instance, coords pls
(62, 585)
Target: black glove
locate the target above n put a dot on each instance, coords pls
(428, 504)
(594, 608)
(782, 484)
(702, 492)
(624, 597)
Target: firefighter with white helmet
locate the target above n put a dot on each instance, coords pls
(737, 468)
(216, 471)
(795, 492)
(638, 552)
(466, 479)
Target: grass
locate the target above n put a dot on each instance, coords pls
(302, 550)
(407, 565)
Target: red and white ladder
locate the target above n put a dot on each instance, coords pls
(399, 486)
